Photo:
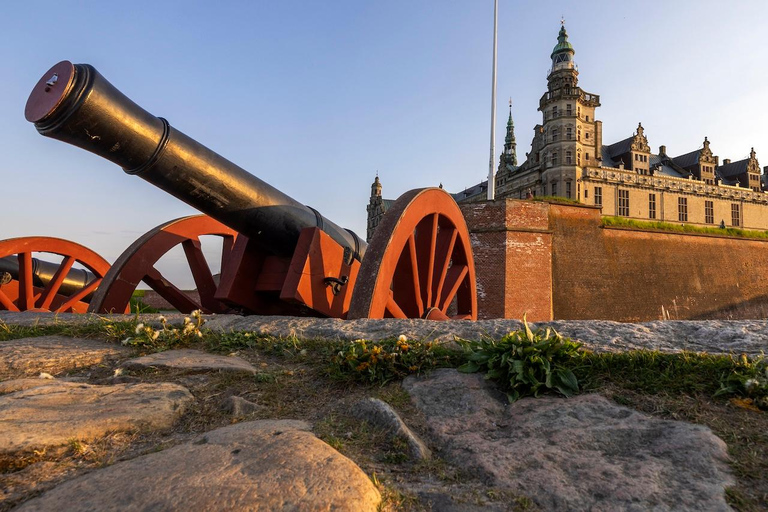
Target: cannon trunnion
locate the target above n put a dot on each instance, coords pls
(278, 256)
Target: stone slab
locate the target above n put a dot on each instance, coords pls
(713, 336)
(53, 414)
(11, 386)
(257, 466)
(582, 453)
(54, 354)
(191, 360)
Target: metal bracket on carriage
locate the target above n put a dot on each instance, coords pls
(336, 283)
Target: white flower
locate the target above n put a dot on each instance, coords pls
(199, 334)
(187, 320)
(196, 313)
(163, 319)
(402, 338)
(155, 335)
(188, 328)
(125, 341)
(750, 383)
(139, 328)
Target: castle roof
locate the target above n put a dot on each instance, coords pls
(688, 159)
(618, 148)
(474, 190)
(733, 169)
(664, 166)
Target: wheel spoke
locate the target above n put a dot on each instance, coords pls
(170, 292)
(79, 295)
(201, 272)
(26, 285)
(53, 287)
(415, 272)
(227, 244)
(7, 303)
(394, 309)
(444, 253)
(454, 277)
(426, 241)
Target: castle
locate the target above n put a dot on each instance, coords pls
(569, 160)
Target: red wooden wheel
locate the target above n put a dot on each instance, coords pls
(137, 264)
(418, 263)
(37, 284)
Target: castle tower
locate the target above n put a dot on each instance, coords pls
(375, 208)
(510, 145)
(572, 138)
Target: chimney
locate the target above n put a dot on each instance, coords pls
(726, 161)
(599, 140)
(662, 150)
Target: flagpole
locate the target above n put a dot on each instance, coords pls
(491, 181)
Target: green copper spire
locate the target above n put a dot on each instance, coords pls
(510, 145)
(563, 52)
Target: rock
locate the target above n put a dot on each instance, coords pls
(53, 354)
(11, 386)
(238, 406)
(257, 466)
(191, 360)
(713, 336)
(380, 414)
(55, 413)
(582, 453)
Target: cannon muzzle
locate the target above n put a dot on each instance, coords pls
(43, 272)
(75, 104)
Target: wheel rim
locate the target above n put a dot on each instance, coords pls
(137, 264)
(418, 262)
(23, 294)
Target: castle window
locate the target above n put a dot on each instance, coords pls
(598, 196)
(735, 215)
(624, 203)
(554, 158)
(554, 188)
(709, 212)
(568, 133)
(651, 206)
(554, 111)
(568, 157)
(587, 118)
(554, 134)
(682, 209)
(568, 110)
(568, 189)
(579, 134)
(586, 193)
(587, 157)
(586, 135)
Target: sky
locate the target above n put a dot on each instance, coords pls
(316, 97)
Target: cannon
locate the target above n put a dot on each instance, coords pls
(28, 283)
(278, 255)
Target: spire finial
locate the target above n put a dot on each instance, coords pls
(562, 20)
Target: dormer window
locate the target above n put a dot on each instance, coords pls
(554, 111)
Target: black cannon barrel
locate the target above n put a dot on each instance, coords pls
(75, 104)
(43, 273)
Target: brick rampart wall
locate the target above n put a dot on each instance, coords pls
(557, 261)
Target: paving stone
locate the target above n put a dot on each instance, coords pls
(257, 466)
(11, 386)
(582, 453)
(54, 354)
(380, 414)
(51, 415)
(191, 360)
(713, 336)
(239, 407)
